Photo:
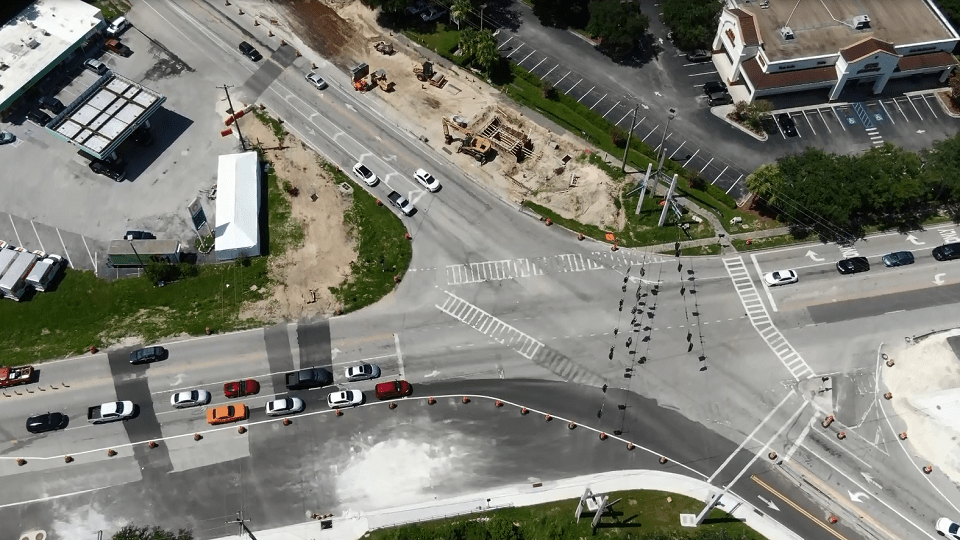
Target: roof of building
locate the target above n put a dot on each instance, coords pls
(106, 113)
(34, 41)
(761, 80)
(920, 61)
(866, 47)
(238, 204)
(823, 27)
(749, 31)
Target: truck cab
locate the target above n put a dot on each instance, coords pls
(111, 412)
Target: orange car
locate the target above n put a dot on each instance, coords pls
(226, 413)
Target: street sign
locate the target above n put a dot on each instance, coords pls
(197, 214)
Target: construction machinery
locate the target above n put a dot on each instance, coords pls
(470, 144)
(383, 47)
(426, 73)
(379, 77)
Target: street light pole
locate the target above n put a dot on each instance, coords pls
(481, 16)
(672, 113)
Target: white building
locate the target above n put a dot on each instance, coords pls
(238, 207)
(770, 47)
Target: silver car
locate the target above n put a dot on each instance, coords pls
(192, 398)
(316, 80)
(345, 398)
(285, 406)
(362, 372)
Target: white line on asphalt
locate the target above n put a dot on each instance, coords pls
(719, 175)
(800, 438)
(67, 255)
(763, 449)
(734, 184)
(824, 120)
(538, 65)
(934, 113)
(694, 155)
(504, 43)
(574, 86)
(624, 116)
(612, 108)
(651, 133)
(561, 79)
(396, 340)
(910, 99)
(705, 166)
(750, 436)
(886, 111)
(678, 149)
(34, 225)
(525, 58)
(551, 71)
(513, 52)
(598, 101)
(585, 95)
(899, 108)
(53, 497)
(804, 113)
(835, 113)
(763, 282)
(702, 74)
(19, 242)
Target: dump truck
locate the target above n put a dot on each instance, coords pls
(140, 253)
(44, 272)
(12, 376)
(13, 282)
(111, 412)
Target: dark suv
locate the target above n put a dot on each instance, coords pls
(148, 354)
(39, 117)
(52, 104)
(717, 93)
(853, 265)
(248, 51)
(947, 252)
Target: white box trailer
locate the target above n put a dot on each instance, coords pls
(7, 256)
(13, 282)
(44, 272)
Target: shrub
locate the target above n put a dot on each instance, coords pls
(550, 92)
(618, 136)
(501, 528)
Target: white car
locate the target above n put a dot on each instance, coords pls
(284, 406)
(362, 372)
(781, 277)
(426, 180)
(366, 175)
(948, 528)
(191, 398)
(345, 398)
(117, 26)
(316, 80)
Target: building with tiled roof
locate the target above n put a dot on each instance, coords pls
(780, 46)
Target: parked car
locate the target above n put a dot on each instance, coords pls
(113, 45)
(39, 117)
(787, 124)
(246, 387)
(365, 175)
(284, 406)
(139, 235)
(781, 277)
(52, 104)
(362, 372)
(190, 398)
(316, 80)
(115, 171)
(226, 413)
(6, 137)
(401, 202)
(392, 390)
(308, 378)
(118, 26)
(948, 528)
(853, 265)
(95, 66)
(148, 354)
(699, 55)
(417, 7)
(51, 421)
(898, 258)
(947, 252)
(345, 398)
(426, 180)
(248, 51)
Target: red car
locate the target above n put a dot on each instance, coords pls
(246, 387)
(393, 390)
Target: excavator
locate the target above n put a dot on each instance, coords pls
(470, 144)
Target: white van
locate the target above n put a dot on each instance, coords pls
(117, 26)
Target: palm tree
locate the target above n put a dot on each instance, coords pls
(485, 51)
(460, 9)
(469, 38)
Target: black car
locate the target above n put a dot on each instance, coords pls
(139, 235)
(248, 51)
(717, 93)
(699, 55)
(947, 252)
(42, 423)
(853, 265)
(39, 117)
(148, 354)
(52, 104)
(142, 136)
(787, 124)
(898, 258)
(115, 171)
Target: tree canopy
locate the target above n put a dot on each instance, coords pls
(133, 532)
(562, 13)
(619, 25)
(693, 22)
(480, 47)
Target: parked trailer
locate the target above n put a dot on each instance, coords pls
(44, 272)
(140, 253)
(13, 282)
(12, 376)
(7, 256)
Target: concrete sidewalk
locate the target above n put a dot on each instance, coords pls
(352, 526)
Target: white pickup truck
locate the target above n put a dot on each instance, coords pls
(111, 412)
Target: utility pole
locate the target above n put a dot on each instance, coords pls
(672, 113)
(667, 201)
(243, 524)
(643, 188)
(633, 125)
(243, 144)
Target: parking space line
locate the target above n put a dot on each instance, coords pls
(886, 111)
(92, 260)
(702, 74)
(624, 116)
(678, 149)
(551, 70)
(915, 108)
(824, 120)
(19, 242)
(614, 107)
(719, 175)
(598, 101)
(651, 133)
(835, 113)
(705, 166)
(899, 108)
(561, 79)
(67, 255)
(34, 225)
(804, 113)
(694, 155)
(538, 65)
(734, 184)
(583, 96)
(513, 52)
(924, 96)
(502, 45)
(525, 58)
(780, 129)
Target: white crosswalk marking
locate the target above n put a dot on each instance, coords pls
(479, 272)
(490, 326)
(761, 320)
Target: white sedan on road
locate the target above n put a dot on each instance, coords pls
(345, 398)
(316, 80)
(781, 277)
(948, 528)
(364, 174)
(191, 398)
(362, 372)
(284, 406)
(427, 180)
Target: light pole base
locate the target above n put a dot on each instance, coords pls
(688, 520)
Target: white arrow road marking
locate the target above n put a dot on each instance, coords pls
(813, 256)
(916, 241)
(390, 158)
(334, 352)
(858, 496)
(433, 373)
(921, 131)
(869, 478)
(938, 279)
(414, 196)
(351, 107)
(769, 503)
(658, 94)
(178, 380)
(645, 106)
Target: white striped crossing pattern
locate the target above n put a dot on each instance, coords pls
(490, 326)
(479, 272)
(761, 321)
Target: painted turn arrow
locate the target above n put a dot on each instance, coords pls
(858, 496)
(869, 478)
(334, 352)
(769, 503)
(916, 241)
(938, 279)
(813, 256)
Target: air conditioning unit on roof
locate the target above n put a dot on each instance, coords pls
(787, 33)
(861, 22)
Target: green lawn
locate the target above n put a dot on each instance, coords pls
(112, 9)
(639, 515)
(768, 242)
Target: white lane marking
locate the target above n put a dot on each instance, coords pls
(492, 327)
(750, 436)
(92, 260)
(763, 282)
(705, 166)
(19, 242)
(67, 255)
(34, 225)
(800, 438)
(396, 341)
